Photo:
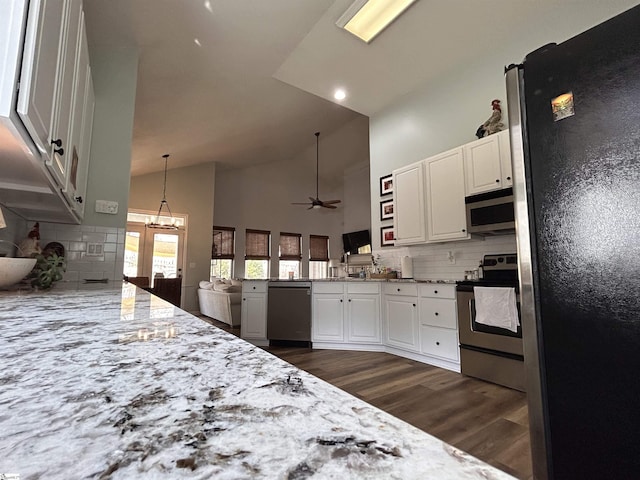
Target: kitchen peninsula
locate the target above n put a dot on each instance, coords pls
(116, 383)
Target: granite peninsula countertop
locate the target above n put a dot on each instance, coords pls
(354, 279)
(118, 384)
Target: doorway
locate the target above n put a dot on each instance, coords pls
(153, 252)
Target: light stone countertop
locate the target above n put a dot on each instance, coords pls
(116, 383)
(353, 279)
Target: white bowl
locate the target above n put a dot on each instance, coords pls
(12, 270)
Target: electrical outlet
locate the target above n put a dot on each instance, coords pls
(106, 206)
(95, 249)
(451, 256)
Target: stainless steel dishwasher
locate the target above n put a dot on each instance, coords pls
(289, 311)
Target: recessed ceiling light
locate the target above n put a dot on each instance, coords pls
(197, 42)
(207, 5)
(339, 94)
(367, 18)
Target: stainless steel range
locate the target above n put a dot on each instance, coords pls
(491, 352)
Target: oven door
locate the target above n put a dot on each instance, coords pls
(485, 337)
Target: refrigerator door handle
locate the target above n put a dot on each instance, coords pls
(517, 119)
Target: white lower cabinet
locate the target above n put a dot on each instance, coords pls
(253, 324)
(439, 342)
(346, 313)
(401, 315)
(414, 320)
(439, 322)
(328, 317)
(363, 313)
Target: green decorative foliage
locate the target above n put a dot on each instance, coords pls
(47, 270)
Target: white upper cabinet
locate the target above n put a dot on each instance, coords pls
(80, 126)
(446, 214)
(60, 160)
(488, 164)
(39, 81)
(46, 108)
(409, 205)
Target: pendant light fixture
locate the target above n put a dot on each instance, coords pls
(158, 222)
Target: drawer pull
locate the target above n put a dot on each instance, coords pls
(414, 304)
(254, 288)
(436, 314)
(435, 292)
(398, 289)
(437, 343)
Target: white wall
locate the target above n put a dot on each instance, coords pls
(260, 197)
(446, 113)
(190, 190)
(115, 76)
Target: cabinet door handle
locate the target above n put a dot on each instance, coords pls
(436, 314)
(398, 289)
(78, 199)
(464, 229)
(59, 151)
(414, 304)
(57, 143)
(244, 299)
(497, 180)
(435, 291)
(254, 288)
(437, 343)
(349, 299)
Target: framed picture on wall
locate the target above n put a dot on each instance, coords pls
(386, 185)
(387, 236)
(386, 209)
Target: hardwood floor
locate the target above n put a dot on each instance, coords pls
(488, 421)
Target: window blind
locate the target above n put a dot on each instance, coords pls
(318, 248)
(223, 243)
(290, 246)
(257, 245)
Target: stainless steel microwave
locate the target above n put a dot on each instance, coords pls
(491, 213)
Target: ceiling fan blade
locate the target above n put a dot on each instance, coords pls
(329, 202)
(328, 206)
(300, 203)
(313, 200)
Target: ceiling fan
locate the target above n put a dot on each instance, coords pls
(316, 202)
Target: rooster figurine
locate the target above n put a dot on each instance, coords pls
(30, 246)
(493, 124)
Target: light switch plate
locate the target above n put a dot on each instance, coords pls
(107, 206)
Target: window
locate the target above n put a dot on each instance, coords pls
(223, 252)
(256, 258)
(318, 256)
(290, 255)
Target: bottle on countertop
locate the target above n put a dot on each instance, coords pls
(480, 270)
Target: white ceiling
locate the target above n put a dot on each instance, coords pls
(260, 83)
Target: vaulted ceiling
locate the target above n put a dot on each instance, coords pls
(241, 82)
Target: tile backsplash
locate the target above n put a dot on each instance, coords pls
(91, 252)
(431, 261)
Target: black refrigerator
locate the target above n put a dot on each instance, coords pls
(574, 117)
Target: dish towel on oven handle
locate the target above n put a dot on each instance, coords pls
(496, 306)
